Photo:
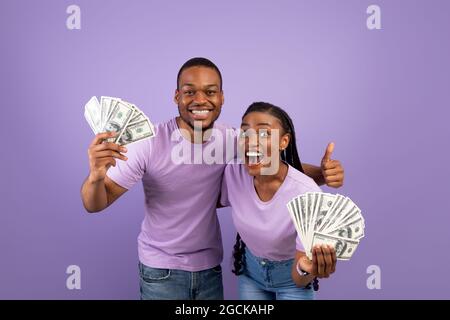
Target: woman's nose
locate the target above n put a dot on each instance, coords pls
(253, 141)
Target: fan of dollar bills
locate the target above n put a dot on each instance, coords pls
(115, 114)
(323, 218)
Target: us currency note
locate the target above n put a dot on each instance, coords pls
(324, 205)
(302, 207)
(298, 214)
(135, 132)
(338, 213)
(353, 230)
(92, 113)
(137, 118)
(296, 219)
(336, 206)
(335, 217)
(118, 119)
(314, 197)
(107, 104)
(344, 247)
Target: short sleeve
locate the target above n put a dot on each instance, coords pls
(316, 188)
(127, 173)
(224, 201)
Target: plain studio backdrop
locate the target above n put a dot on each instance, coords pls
(381, 95)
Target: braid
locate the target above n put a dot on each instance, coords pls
(291, 153)
(238, 255)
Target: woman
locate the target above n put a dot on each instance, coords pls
(268, 255)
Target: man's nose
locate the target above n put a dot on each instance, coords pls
(199, 97)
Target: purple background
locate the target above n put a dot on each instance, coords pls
(381, 95)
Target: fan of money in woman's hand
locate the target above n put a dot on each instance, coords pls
(323, 218)
(115, 114)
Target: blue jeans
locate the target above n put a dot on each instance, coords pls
(263, 279)
(171, 284)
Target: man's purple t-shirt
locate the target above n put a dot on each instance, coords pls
(180, 228)
(266, 227)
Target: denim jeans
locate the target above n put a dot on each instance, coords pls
(263, 279)
(171, 284)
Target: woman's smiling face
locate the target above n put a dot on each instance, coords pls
(261, 140)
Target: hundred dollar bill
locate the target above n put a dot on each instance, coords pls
(302, 212)
(107, 104)
(309, 210)
(115, 114)
(353, 215)
(337, 214)
(118, 119)
(137, 117)
(353, 230)
(337, 205)
(325, 204)
(344, 247)
(298, 218)
(324, 216)
(136, 131)
(295, 218)
(314, 197)
(92, 113)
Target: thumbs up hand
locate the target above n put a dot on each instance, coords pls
(332, 170)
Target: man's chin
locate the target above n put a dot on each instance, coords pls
(202, 124)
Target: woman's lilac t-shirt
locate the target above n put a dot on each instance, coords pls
(266, 227)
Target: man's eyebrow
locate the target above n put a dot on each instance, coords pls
(206, 86)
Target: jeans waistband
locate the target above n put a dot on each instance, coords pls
(265, 261)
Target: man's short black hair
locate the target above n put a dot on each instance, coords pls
(199, 62)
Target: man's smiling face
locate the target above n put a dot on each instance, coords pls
(199, 96)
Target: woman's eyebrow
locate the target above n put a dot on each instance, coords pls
(243, 124)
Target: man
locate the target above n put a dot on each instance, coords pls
(180, 246)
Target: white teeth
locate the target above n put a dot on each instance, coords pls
(200, 111)
(254, 154)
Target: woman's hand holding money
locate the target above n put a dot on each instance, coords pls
(323, 262)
